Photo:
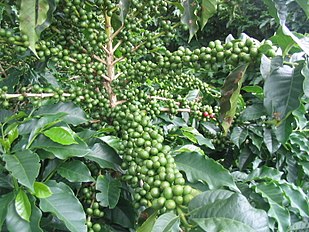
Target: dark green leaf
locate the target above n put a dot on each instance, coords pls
(60, 151)
(253, 112)
(105, 156)
(75, 115)
(27, 21)
(284, 130)
(264, 173)
(239, 135)
(109, 191)
(209, 8)
(4, 203)
(24, 166)
(168, 222)
(22, 205)
(124, 6)
(304, 5)
(228, 205)
(246, 156)
(62, 135)
(65, 206)
(112, 141)
(305, 73)
(230, 94)
(189, 18)
(41, 190)
(270, 140)
(200, 168)
(75, 171)
(274, 195)
(148, 224)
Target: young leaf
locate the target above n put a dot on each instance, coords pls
(200, 168)
(22, 205)
(5, 200)
(148, 224)
(168, 222)
(75, 171)
(230, 94)
(109, 191)
(61, 135)
(24, 166)
(65, 206)
(209, 8)
(189, 18)
(274, 195)
(27, 21)
(41, 190)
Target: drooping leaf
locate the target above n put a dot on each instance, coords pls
(109, 191)
(42, 11)
(61, 135)
(200, 168)
(168, 222)
(45, 11)
(239, 135)
(124, 6)
(270, 140)
(284, 41)
(228, 205)
(41, 190)
(189, 17)
(27, 22)
(4, 203)
(208, 9)
(196, 137)
(284, 130)
(22, 205)
(230, 94)
(75, 115)
(222, 224)
(105, 156)
(148, 224)
(61, 151)
(65, 206)
(75, 171)
(274, 195)
(24, 166)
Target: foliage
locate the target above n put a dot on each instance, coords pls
(110, 121)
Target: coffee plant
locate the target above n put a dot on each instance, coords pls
(126, 116)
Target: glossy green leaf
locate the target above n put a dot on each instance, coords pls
(189, 18)
(75, 171)
(22, 205)
(42, 10)
(196, 137)
(5, 200)
(193, 95)
(253, 112)
(41, 190)
(239, 135)
(111, 141)
(124, 6)
(228, 205)
(274, 195)
(61, 151)
(230, 94)
(305, 73)
(24, 166)
(62, 135)
(105, 156)
(264, 173)
(45, 12)
(208, 9)
(168, 222)
(284, 129)
(27, 21)
(148, 224)
(200, 168)
(284, 41)
(222, 224)
(109, 191)
(75, 115)
(65, 206)
(270, 140)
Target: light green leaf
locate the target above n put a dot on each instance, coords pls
(4, 203)
(148, 224)
(209, 8)
(22, 205)
(41, 190)
(27, 21)
(305, 73)
(62, 135)
(196, 137)
(229, 95)
(188, 148)
(24, 166)
(299, 227)
(109, 191)
(75, 171)
(222, 224)
(274, 195)
(228, 205)
(42, 10)
(200, 168)
(168, 222)
(62, 151)
(65, 206)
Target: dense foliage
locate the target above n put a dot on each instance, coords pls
(111, 120)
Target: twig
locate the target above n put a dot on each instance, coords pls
(3, 71)
(105, 49)
(118, 60)
(117, 75)
(116, 32)
(117, 45)
(99, 59)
